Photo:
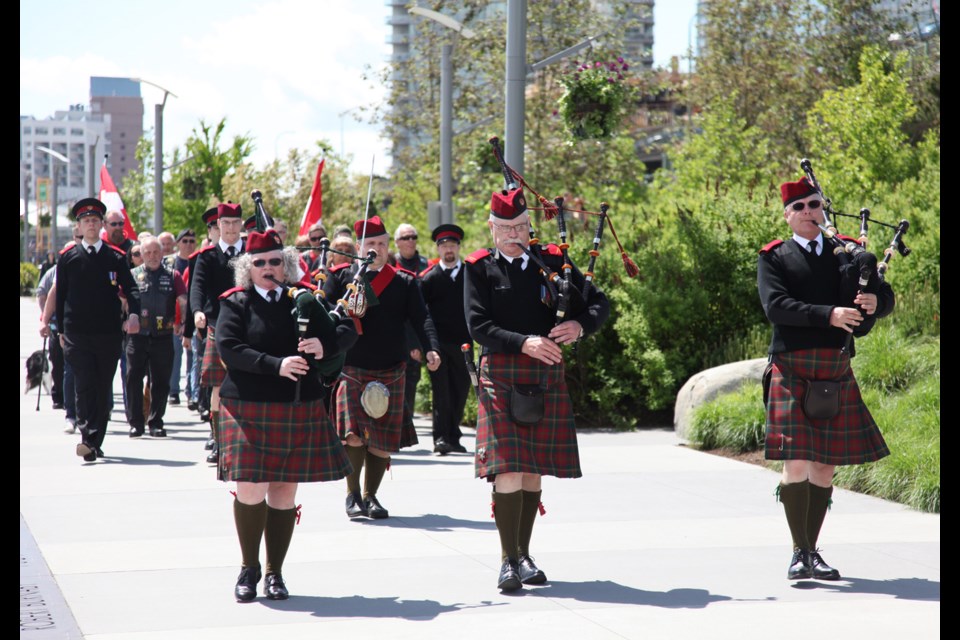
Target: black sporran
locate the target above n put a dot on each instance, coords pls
(821, 399)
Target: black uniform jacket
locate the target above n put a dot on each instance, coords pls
(88, 289)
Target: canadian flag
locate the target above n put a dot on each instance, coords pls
(314, 209)
(111, 198)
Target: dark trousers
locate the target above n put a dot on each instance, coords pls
(450, 384)
(151, 355)
(93, 358)
(410, 390)
(56, 368)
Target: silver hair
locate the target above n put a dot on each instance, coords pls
(401, 228)
(151, 240)
(242, 265)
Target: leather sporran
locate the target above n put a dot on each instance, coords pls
(821, 399)
(375, 399)
(527, 403)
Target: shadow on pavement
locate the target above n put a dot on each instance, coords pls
(902, 588)
(431, 522)
(361, 607)
(143, 462)
(613, 593)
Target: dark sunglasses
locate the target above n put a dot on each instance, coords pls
(413, 237)
(115, 224)
(316, 238)
(189, 241)
(135, 254)
(273, 262)
(813, 205)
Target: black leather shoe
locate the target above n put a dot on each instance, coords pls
(214, 456)
(509, 579)
(192, 406)
(205, 415)
(98, 451)
(158, 433)
(174, 399)
(374, 509)
(246, 589)
(820, 570)
(529, 572)
(274, 588)
(136, 432)
(441, 448)
(355, 506)
(57, 406)
(88, 453)
(456, 447)
(209, 444)
(799, 565)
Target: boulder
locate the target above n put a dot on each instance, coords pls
(708, 384)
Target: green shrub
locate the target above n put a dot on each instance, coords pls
(733, 421)
(888, 361)
(29, 275)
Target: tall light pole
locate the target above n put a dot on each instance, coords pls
(446, 109)
(157, 155)
(54, 193)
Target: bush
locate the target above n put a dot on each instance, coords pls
(29, 275)
(733, 421)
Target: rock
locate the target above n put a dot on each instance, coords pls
(708, 384)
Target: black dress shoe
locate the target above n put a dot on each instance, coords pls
(441, 448)
(799, 565)
(374, 509)
(246, 589)
(214, 456)
(192, 406)
(98, 451)
(355, 507)
(509, 579)
(174, 399)
(136, 432)
(274, 588)
(57, 405)
(87, 452)
(819, 569)
(205, 415)
(456, 447)
(529, 572)
(158, 433)
(209, 444)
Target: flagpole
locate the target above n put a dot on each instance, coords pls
(366, 211)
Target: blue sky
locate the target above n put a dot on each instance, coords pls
(243, 59)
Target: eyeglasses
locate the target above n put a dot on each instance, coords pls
(407, 238)
(813, 205)
(115, 224)
(273, 262)
(189, 240)
(316, 238)
(211, 225)
(510, 229)
(135, 254)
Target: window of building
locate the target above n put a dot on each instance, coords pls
(59, 131)
(27, 129)
(123, 134)
(41, 131)
(76, 132)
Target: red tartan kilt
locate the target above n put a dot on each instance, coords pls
(851, 437)
(279, 442)
(382, 433)
(212, 372)
(548, 448)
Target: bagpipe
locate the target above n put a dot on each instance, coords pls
(860, 270)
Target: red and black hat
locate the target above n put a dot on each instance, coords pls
(229, 210)
(211, 215)
(250, 224)
(447, 233)
(507, 205)
(88, 207)
(374, 227)
(258, 242)
(791, 191)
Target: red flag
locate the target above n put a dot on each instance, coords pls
(314, 209)
(111, 197)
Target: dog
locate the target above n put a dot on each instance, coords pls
(38, 372)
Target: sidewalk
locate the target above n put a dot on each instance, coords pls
(655, 541)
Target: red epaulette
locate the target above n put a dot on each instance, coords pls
(115, 248)
(68, 246)
(553, 250)
(338, 267)
(478, 255)
(230, 292)
(770, 246)
(307, 285)
(406, 271)
(209, 247)
(432, 264)
(847, 238)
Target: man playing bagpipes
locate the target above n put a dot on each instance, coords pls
(525, 426)
(816, 418)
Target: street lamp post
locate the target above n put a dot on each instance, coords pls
(54, 193)
(157, 155)
(446, 109)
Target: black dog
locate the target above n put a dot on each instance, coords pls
(38, 372)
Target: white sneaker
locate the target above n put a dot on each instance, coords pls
(70, 427)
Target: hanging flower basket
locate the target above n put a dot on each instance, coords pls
(594, 97)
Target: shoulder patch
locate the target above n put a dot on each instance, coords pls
(478, 255)
(428, 269)
(338, 267)
(553, 250)
(770, 246)
(230, 292)
(115, 248)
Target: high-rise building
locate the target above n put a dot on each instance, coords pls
(119, 98)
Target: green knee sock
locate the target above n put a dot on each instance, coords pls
(250, 520)
(277, 535)
(528, 514)
(355, 455)
(796, 500)
(820, 499)
(376, 467)
(506, 511)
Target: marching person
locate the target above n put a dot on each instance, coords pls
(186, 242)
(150, 351)
(198, 338)
(212, 276)
(311, 256)
(800, 288)
(525, 426)
(408, 257)
(369, 397)
(90, 277)
(274, 428)
(442, 288)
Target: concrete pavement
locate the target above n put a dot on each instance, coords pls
(655, 541)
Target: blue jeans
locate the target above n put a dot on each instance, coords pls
(198, 349)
